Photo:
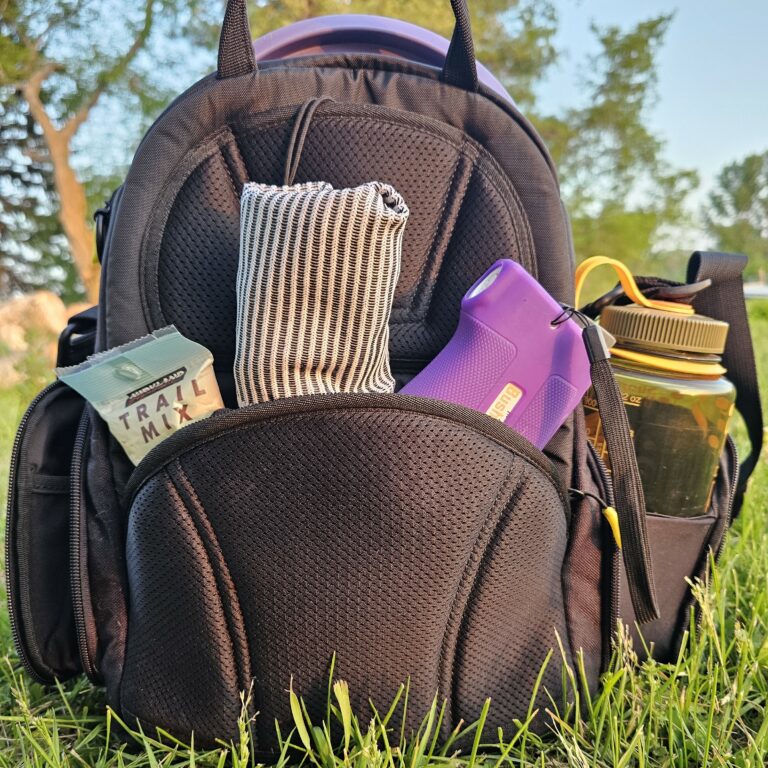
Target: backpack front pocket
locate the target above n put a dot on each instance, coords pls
(409, 537)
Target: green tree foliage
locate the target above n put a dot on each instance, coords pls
(33, 251)
(622, 195)
(736, 214)
(66, 60)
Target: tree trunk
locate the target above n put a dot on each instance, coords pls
(73, 215)
(73, 204)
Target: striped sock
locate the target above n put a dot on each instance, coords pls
(317, 274)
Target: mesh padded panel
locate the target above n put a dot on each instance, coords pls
(490, 225)
(199, 259)
(407, 544)
(464, 215)
(514, 615)
(263, 147)
(422, 165)
(182, 613)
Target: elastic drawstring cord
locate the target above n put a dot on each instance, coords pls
(301, 125)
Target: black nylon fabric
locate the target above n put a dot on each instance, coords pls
(107, 471)
(37, 558)
(681, 548)
(460, 67)
(724, 300)
(214, 104)
(590, 558)
(236, 55)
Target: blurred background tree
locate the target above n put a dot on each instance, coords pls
(621, 193)
(736, 213)
(33, 251)
(59, 61)
(80, 80)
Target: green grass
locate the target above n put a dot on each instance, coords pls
(709, 708)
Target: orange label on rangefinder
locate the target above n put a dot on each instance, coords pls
(505, 401)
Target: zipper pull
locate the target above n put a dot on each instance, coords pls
(612, 516)
(608, 512)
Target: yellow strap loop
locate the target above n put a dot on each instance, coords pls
(711, 369)
(627, 283)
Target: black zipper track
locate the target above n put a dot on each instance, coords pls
(10, 524)
(732, 495)
(75, 545)
(615, 585)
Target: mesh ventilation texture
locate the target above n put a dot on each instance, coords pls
(360, 533)
(462, 219)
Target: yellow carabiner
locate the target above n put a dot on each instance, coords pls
(627, 283)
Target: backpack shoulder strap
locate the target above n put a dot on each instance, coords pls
(724, 300)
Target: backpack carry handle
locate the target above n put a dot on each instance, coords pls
(236, 55)
(460, 66)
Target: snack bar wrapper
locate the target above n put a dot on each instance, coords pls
(149, 388)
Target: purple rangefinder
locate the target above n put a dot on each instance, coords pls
(514, 356)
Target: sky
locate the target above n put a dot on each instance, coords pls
(712, 74)
(712, 79)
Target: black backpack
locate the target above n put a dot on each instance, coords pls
(409, 537)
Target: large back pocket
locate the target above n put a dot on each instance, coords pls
(410, 538)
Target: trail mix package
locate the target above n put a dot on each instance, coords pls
(149, 388)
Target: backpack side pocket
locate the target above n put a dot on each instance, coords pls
(680, 549)
(37, 535)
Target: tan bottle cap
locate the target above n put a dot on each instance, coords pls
(656, 329)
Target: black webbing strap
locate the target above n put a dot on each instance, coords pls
(627, 486)
(78, 339)
(236, 55)
(724, 300)
(460, 68)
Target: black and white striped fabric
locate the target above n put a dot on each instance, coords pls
(315, 284)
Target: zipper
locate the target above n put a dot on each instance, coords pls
(10, 560)
(76, 548)
(226, 420)
(101, 324)
(615, 565)
(734, 451)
